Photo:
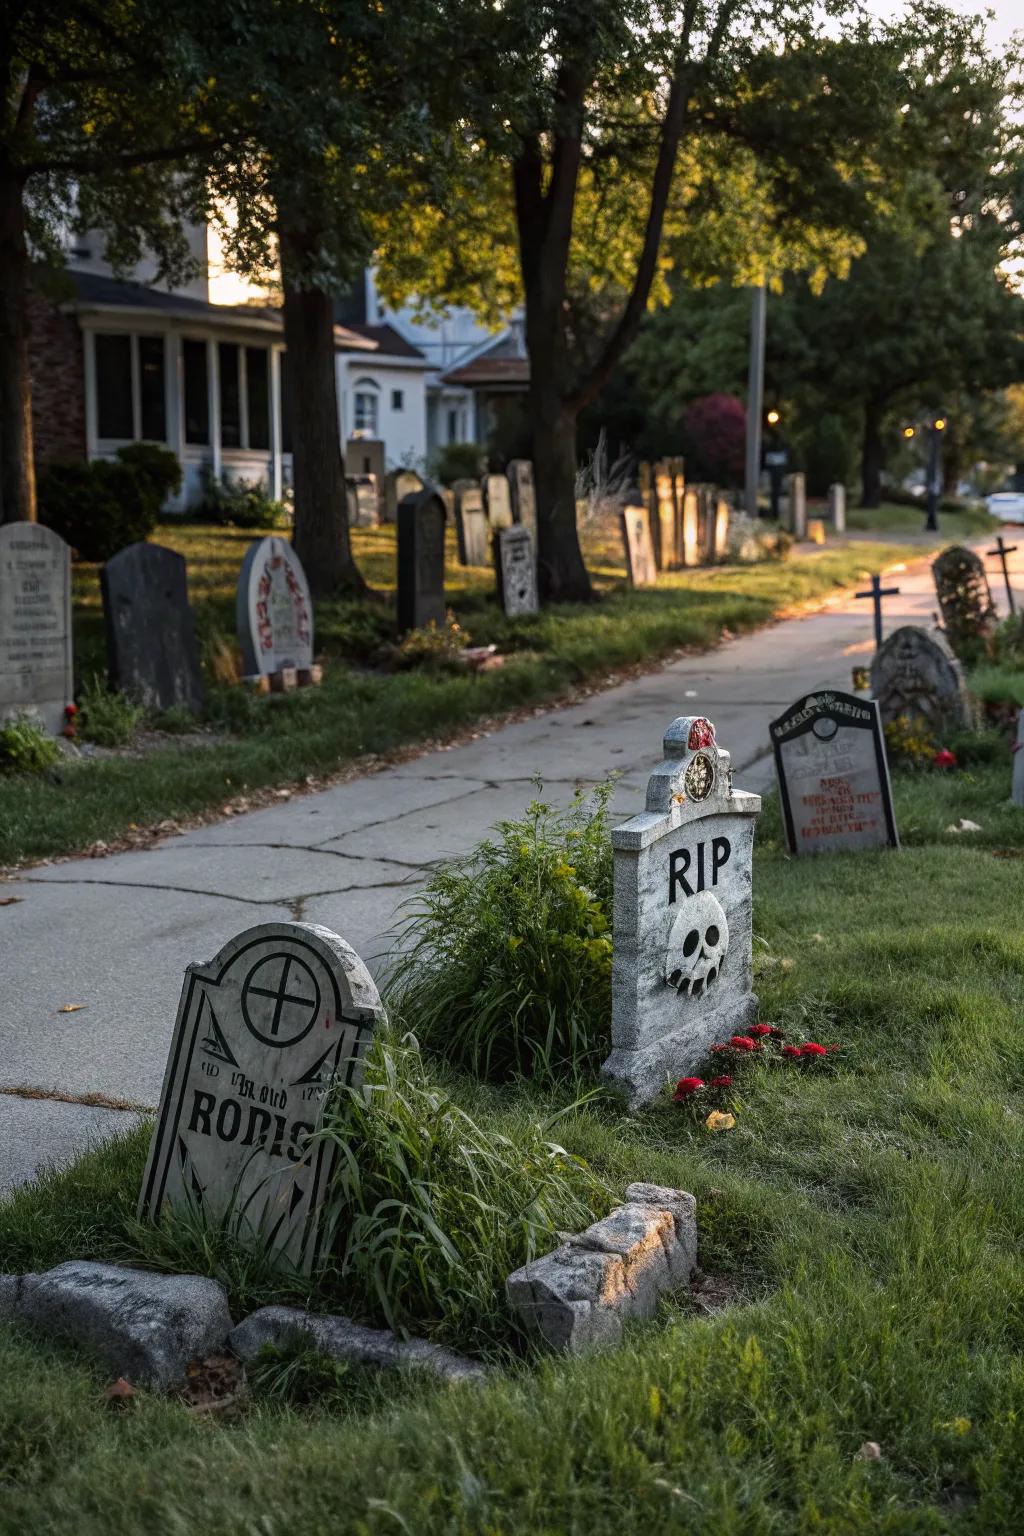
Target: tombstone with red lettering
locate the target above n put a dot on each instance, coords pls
(281, 1012)
(833, 775)
(682, 970)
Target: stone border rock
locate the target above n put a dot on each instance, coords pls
(348, 1342)
(580, 1296)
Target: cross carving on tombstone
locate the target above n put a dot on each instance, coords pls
(876, 593)
(1002, 550)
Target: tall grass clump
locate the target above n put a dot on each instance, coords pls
(431, 1209)
(507, 960)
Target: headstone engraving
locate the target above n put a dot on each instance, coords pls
(524, 494)
(151, 641)
(499, 501)
(1017, 790)
(516, 569)
(837, 506)
(421, 525)
(665, 504)
(36, 676)
(682, 969)
(915, 674)
(471, 526)
(640, 562)
(274, 611)
(691, 529)
(833, 775)
(965, 601)
(399, 483)
(263, 1029)
(365, 456)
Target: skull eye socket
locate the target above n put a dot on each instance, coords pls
(712, 936)
(690, 942)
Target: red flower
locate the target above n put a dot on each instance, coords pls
(725, 1081)
(702, 734)
(69, 732)
(792, 1050)
(743, 1043)
(759, 1030)
(71, 710)
(812, 1048)
(944, 759)
(686, 1086)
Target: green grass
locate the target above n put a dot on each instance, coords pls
(361, 709)
(868, 1218)
(897, 520)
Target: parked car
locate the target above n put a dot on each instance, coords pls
(1008, 506)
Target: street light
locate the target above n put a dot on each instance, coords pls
(908, 431)
(773, 418)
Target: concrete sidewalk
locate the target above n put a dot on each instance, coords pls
(116, 934)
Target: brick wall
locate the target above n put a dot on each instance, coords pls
(57, 359)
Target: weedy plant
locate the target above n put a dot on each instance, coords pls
(107, 717)
(507, 953)
(25, 748)
(431, 1209)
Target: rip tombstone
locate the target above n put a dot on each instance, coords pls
(151, 641)
(516, 570)
(682, 966)
(421, 525)
(282, 1011)
(36, 677)
(916, 675)
(274, 611)
(640, 560)
(833, 775)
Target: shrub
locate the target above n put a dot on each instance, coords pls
(25, 748)
(244, 503)
(714, 439)
(98, 508)
(156, 466)
(432, 646)
(509, 968)
(432, 1210)
(108, 718)
(458, 461)
(1008, 641)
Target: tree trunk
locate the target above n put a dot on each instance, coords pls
(321, 535)
(562, 574)
(872, 456)
(17, 470)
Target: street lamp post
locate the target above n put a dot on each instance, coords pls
(934, 481)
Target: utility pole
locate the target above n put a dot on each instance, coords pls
(755, 395)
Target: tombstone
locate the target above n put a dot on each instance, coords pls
(837, 506)
(645, 478)
(721, 536)
(1017, 789)
(498, 500)
(421, 524)
(681, 960)
(797, 511)
(274, 612)
(640, 561)
(524, 495)
(364, 501)
(516, 568)
(36, 677)
(365, 456)
(151, 642)
(968, 613)
(691, 529)
(665, 508)
(833, 775)
(679, 492)
(399, 483)
(707, 502)
(471, 526)
(263, 1029)
(915, 674)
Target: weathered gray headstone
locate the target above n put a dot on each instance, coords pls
(421, 525)
(915, 674)
(364, 501)
(1017, 792)
(36, 678)
(837, 506)
(151, 641)
(640, 561)
(499, 501)
(721, 538)
(274, 611)
(516, 569)
(682, 965)
(524, 495)
(471, 526)
(691, 529)
(365, 456)
(399, 483)
(665, 504)
(797, 520)
(263, 1029)
(833, 775)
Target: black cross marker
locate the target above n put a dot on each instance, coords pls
(1002, 550)
(280, 996)
(877, 593)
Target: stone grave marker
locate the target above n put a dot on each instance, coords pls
(721, 534)
(262, 1031)
(516, 568)
(679, 491)
(499, 501)
(365, 456)
(691, 529)
(399, 483)
(682, 971)
(796, 517)
(833, 775)
(151, 641)
(665, 508)
(965, 601)
(421, 524)
(36, 677)
(363, 500)
(707, 502)
(1017, 790)
(837, 506)
(471, 526)
(524, 494)
(640, 561)
(915, 674)
(274, 612)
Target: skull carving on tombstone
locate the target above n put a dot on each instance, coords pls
(697, 945)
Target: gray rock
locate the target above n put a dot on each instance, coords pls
(145, 1327)
(10, 1295)
(350, 1343)
(579, 1296)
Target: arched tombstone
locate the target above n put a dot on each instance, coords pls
(421, 525)
(280, 1013)
(151, 642)
(274, 611)
(499, 501)
(36, 675)
(915, 674)
(524, 495)
(965, 602)
(399, 483)
(471, 526)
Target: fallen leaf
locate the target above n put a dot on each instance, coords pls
(71, 1008)
(869, 1451)
(119, 1394)
(718, 1120)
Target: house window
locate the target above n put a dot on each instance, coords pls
(257, 391)
(130, 388)
(397, 400)
(197, 392)
(244, 396)
(364, 412)
(230, 395)
(453, 426)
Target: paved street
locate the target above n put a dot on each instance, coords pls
(115, 934)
